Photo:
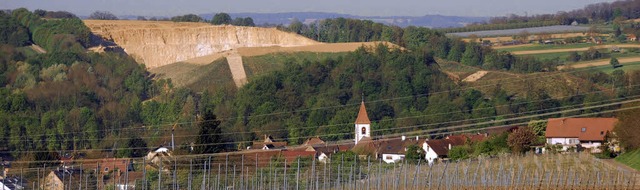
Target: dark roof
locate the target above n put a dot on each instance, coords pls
(595, 128)
(439, 146)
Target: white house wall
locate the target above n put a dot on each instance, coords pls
(563, 141)
(392, 158)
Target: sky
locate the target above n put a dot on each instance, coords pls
(484, 8)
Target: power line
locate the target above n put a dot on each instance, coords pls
(439, 129)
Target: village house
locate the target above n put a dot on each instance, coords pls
(589, 133)
(394, 150)
(62, 179)
(159, 157)
(632, 37)
(267, 144)
(12, 183)
(439, 149)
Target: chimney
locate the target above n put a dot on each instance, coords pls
(417, 138)
(449, 146)
(403, 137)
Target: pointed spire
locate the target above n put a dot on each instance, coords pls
(363, 117)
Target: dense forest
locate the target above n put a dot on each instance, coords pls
(72, 100)
(67, 98)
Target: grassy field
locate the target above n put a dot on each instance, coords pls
(548, 46)
(634, 66)
(631, 159)
(262, 64)
(630, 52)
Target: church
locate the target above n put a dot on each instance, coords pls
(362, 124)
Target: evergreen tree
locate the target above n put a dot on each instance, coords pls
(472, 55)
(209, 138)
(614, 62)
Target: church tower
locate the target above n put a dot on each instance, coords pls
(363, 125)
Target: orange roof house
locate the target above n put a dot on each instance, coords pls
(588, 133)
(585, 129)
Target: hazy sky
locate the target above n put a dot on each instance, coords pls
(355, 7)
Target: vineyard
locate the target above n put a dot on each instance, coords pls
(348, 171)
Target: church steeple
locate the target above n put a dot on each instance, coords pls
(362, 118)
(362, 124)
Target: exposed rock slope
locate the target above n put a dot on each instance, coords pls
(158, 43)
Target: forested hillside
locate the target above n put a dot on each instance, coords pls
(65, 99)
(422, 39)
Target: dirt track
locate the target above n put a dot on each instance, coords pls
(601, 63)
(528, 52)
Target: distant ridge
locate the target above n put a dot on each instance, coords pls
(431, 21)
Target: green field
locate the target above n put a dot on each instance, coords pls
(631, 159)
(630, 52)
(626, 67)
(548, 46)
(259, 65)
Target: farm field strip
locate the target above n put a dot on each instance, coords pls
(600, 62)
(528, 52)
(533, 30)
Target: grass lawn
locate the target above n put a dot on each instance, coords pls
(564, 55)
(626, 67)
(259, 65)
(631, 159)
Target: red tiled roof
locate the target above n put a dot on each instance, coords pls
(595, 128)
(314, 141)
(362, 118)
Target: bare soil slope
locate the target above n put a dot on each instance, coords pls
(158, 43)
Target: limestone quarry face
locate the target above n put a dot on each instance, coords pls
(158, 43)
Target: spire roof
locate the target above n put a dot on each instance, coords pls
(362, 118)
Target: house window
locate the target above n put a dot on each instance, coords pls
(364, 131)
(388, 158)
(584, 129)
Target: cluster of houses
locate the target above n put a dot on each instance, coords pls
(582, 133)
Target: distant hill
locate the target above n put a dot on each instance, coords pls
(431, 21)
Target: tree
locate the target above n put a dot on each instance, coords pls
(187, 18)
(459, 152)
(220, 19)
(520, 139)
(414, 153)
(472, 55)
(295, 26)
(209, 139)
(627, 129)
(103, 15)
(539, 127)
(573, 57)
(614, 62)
